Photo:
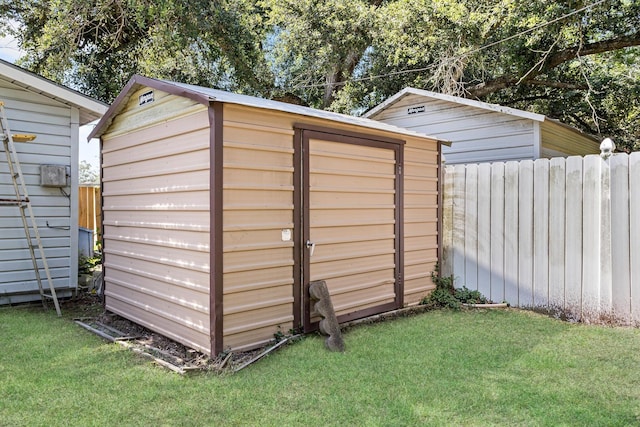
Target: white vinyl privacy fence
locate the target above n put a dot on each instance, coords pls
(561, 234)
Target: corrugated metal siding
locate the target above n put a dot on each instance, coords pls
(560, 141)
(477, 135)
(352, 223)
(157, 224)
(257, 206)
(420, 218)
(52, 123)
(156, 217)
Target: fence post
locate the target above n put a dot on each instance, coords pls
(458, 223)
(592, 234)
(634, 236)
(606, 149)
(511, 253)
(557, 232)
(573, 236)
(541, 244)
(471, 227)
(497, 232)
(620, 238)
(446, 265)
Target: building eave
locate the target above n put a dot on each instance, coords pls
(90, 109)
(206, 95)
(455, 99)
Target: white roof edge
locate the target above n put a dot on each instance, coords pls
(252, 101)
(206, 95)
(41, 85)
(456, 99)
(387, 102)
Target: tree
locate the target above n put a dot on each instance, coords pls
(538, 55)
(316, 40)
(575, 60)
(87, 174)
(95, 46)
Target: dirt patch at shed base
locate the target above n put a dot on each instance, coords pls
(88, 311)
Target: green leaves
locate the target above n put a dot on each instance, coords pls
(316, 42)
(96, 46)
(562, 59)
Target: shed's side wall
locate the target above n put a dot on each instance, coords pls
(258, 206)
(155, 160)
(420, 218)
(54, 125)
(558, 141)
(477, 135)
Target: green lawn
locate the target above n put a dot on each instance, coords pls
(437, 368)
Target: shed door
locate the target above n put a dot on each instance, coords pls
(351, 223)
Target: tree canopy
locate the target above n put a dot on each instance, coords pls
(87, 174)
(577, 61)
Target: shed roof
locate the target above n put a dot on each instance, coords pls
(90, 109)
(544, 120)
(206, 95)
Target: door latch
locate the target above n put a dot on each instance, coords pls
(312, 246)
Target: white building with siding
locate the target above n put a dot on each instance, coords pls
(54, 113)
(482, 132)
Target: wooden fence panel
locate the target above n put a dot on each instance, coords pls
(458, 225)
(471, 227)
(605, 225)
(558, 233)
(446, 264)
(634, 234)
(511, 232)
(541, 219)
(591, 235)
(525, 234)
(621, 275)
(90, 209)
(497, 232)
(484, 229)
(557, 229)
(573, 236)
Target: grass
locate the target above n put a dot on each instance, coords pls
(439, 368)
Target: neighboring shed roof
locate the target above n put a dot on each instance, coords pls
(206, 95)
(90, 109)
(476, 104)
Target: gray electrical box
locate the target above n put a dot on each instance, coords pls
(53, 175)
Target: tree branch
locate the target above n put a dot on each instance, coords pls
(592, 49)
(556, 85)
(485, 88)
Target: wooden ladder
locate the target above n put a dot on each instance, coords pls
(24, 204)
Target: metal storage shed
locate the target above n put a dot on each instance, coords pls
(219, 209)
(35, 105)
(482, 132)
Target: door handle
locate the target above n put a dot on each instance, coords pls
(312, 246)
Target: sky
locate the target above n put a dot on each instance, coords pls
(88, 151)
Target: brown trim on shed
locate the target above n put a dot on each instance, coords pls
(399, 287)
(101, 238)
(306, 226)
(120, 101)
(216, 314)
(364, 313)
(302, 134)
(440, 213)
(346, 135)
(298, 221)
